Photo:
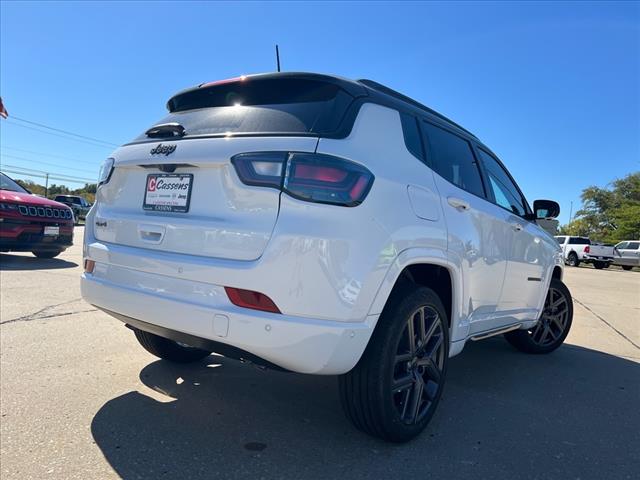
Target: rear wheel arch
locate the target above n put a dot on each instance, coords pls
(436, 277)
(434, 274)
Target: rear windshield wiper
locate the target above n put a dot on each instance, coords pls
(165, 130)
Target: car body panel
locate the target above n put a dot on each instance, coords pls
(627, 253)
(226, 219)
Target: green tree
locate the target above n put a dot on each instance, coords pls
(609, 214)
(31, 186)
(88, 191)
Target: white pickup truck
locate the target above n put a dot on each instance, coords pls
(580, 249)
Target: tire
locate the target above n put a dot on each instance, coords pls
(606, 265)
(599, 265)
(553, 325)
(627, 267)
(367, 394)
(168, 349)
(573, 260)
(47, 253)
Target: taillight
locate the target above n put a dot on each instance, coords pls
(262, 169)
(310, 177)
(251, 299)
(587, 249)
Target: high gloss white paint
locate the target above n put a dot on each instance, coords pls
(329, 269)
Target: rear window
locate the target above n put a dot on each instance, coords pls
(579, 241)
(281, 106)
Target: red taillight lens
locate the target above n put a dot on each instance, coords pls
(251, 299)
(306, 176)
(587, 249)
(326, 179)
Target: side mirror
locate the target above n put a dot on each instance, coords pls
(545, 209)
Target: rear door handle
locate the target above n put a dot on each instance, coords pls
(458, 203)
(151, 233)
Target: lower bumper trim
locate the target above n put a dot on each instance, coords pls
(223, 349)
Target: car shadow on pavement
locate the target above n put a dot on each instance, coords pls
(21, 262)
(570, 414)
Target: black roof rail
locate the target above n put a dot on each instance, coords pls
(393, 93)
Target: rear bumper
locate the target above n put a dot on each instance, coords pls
(591, 258)
(174, 307)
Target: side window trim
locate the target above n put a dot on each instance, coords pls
(525, 203)
(427, 153)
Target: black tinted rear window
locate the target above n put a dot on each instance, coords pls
(579, 241)
(280, 106)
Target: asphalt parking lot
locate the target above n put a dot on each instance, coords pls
(80, 399)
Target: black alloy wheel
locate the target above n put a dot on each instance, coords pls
(553, 325)
(419, 361)
(395, 388)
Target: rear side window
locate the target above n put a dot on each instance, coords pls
(633, 246)
(285, 106)
(452, 158)
(579, 241)
(560, 240)
(504, 190)
(411, 135)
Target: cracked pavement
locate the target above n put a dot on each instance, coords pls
(80, 399)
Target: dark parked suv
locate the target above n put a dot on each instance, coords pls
(78, 204)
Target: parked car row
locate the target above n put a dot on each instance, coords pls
(576, 250)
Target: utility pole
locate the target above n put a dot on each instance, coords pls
(278, 57)
(570, 211)
(46, 185)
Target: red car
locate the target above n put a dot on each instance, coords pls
(29, 223)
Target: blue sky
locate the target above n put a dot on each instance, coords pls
(553, 88)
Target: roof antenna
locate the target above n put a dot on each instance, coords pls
(278, 56)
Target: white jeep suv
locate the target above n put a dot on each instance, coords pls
(325, 226)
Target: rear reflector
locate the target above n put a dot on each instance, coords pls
(89, 265)
(251, 299)
(310, 177)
